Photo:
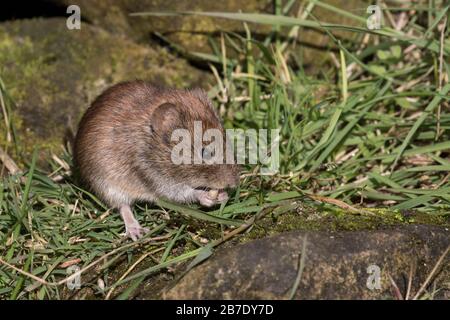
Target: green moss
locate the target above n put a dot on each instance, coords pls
(313, 219)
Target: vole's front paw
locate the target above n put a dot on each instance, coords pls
(212, 197)
(135, 231)
(222, 196)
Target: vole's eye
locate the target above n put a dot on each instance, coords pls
(207, 154)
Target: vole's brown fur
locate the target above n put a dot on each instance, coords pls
(123, 148)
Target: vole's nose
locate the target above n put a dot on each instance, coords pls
(229, 177)
(233, 182)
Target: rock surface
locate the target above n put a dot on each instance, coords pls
(113, 15)
(335, 266)
(195, 32)
(52, 73)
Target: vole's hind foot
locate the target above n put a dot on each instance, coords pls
(132, 226)
(135, 231)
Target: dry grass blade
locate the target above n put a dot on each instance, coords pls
(432, 274)
(8, 162)
(301, 266)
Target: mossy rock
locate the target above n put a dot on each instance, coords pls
(263, 261)
(195, 32)
(336, 265)
(304, 217)
(390, 237)
(52, 74)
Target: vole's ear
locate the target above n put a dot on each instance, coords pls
(165, 117)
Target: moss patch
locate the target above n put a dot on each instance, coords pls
(308, 218)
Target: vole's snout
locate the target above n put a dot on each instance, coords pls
(225, 177)
(232, 180)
